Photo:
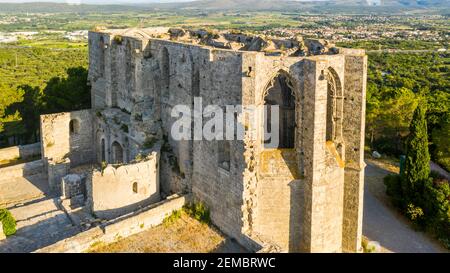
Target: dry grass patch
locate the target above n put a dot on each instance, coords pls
(179, 235)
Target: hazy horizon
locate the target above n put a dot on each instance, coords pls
(96, 1)
(125, 1)
(128, 1)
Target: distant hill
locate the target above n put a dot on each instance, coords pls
(325, 6)
(312, 6)
(47, 7)
(243, 5)
(417, 3)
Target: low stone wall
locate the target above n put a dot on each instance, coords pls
(68, 135)
(22, 170)
(21, 151)
(56, 171)
(73, 185)
(116, 191)
(121, 227)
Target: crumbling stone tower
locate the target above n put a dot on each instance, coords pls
(306, 194)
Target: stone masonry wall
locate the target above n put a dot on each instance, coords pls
(118, 190)
(275, 198)
(22, 170)
(127, 225)
(354, 131)
(139, 79)
(323, 189)
(58, 143)
(56, 171)
(20, 152)
(221, 189)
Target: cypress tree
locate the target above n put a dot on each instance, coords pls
(417, 164)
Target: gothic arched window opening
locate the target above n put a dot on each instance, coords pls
(280, 93)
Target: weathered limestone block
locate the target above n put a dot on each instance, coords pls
(354, 128)
(77, 201)
(117, 190)
(67, 135)
(56, 171)
(72, 185)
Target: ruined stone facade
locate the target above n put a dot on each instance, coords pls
(305, 195)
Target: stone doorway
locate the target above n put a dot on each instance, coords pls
(117, 153)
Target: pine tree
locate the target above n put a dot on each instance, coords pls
(417, 165)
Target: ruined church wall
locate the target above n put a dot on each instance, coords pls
(114, 67)
(354, 121)
(112, 125)
(323, 189)
(99, 69)
(118, 190)
(277, 216)
(143, 82)
(58, 143)
(177, 66)
(122, 64)
(278, 171)
(220, 189)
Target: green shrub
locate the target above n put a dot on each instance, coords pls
(198, 211)
(118, 39)
(435, 198)
(176, 214)
(417, 163)
(436, 204)
(8, 221)
(441, 141)
(444, 161)
(394, 189)
(104, 166)
(414, 213)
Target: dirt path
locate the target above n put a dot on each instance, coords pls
(435, 167)
(382, 223)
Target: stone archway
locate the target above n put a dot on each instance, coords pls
(165, 72)
(335, 104)
(103, 150)
(335, 111)
(74, 126)
(101, 64)
(278, 172)
(280, 94)
(117, 153)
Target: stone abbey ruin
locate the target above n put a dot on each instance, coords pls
(305, 195)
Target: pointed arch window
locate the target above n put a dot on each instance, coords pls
(165, 71)
(334, 106)
(280, 93)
